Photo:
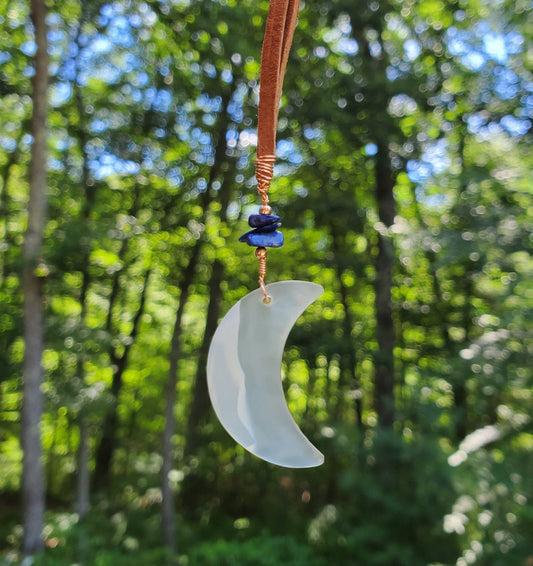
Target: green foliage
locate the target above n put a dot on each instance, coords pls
(152, 115)
(393, 495)
(264, 551)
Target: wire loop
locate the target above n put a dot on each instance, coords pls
(261, 255)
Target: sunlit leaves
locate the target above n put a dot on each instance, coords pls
(142, 93)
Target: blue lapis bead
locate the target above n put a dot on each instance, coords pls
(261, 220)
(263, 239)
(268, 228)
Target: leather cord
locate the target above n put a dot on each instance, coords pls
(279, 32)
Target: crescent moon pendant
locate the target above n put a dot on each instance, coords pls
(244, 374)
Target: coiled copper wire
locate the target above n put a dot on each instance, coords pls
(264, 170)
(261, 255)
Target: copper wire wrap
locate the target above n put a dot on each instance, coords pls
(264, 170)
(261, 255)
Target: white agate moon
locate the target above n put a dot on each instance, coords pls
(244, 374)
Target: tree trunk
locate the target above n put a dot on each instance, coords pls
(167, 504)
(458, 381)
(106, 448)
(443, 308)
(33, 483)
(83, 488)
(384, 361)
(348, 358)
(200, 402)
(83, 483)
(83, 480)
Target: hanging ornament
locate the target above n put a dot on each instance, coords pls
(244, 362)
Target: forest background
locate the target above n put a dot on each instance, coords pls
(404, 183)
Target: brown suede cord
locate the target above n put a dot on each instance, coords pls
(279, 32)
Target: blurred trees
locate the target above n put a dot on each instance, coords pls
(403, 180)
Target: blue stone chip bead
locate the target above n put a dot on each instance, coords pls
(268, 228)
(263, 239)
(261, 220)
